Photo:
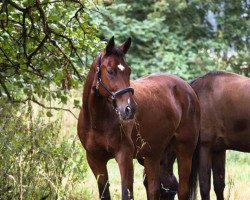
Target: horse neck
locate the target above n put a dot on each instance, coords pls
(97, 111)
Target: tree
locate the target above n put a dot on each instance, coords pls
(187, 38)
(44, 46)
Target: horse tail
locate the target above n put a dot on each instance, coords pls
(193, 179)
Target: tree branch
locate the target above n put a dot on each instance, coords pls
(49, 107)
(16, 6)
(67, 58)
(70, 42)
(39, 47)
(43, 16)
(6, 90)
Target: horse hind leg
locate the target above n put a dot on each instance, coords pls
(168, 181)
(168, 184)
(152, 170)
(145, 180)
(184, 159)
(218, 167)
(99, 169)
(205, 165)
(186, 139)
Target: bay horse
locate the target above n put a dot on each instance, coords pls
(125, 119)
(225, 124)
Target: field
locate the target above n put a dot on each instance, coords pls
(38, 159)
(237, 177)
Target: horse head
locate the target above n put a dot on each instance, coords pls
(113, 79)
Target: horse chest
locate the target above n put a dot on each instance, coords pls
(97, 142)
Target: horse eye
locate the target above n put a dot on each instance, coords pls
(111, 72)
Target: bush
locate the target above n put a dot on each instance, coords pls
(35, 161)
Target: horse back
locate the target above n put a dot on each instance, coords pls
(225, 110)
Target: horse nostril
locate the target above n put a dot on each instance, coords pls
(128, 110)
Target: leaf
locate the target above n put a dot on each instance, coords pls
(49, 114)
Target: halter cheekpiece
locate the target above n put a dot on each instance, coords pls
(99, 82)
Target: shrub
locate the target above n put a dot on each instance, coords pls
(35, 161)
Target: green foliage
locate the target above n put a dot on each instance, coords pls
(187, 38)
(36, 162)
(44, 47)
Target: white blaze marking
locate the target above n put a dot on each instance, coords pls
(121, 67)
(128, 101)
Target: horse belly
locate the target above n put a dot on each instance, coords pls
(237, 124)
(240, 140)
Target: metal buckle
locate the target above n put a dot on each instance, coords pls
(97, 84)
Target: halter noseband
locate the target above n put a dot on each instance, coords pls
(99, 82)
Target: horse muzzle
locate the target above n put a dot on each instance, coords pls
(127, 112)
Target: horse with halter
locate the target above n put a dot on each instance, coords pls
(125, 119)
(225, 124)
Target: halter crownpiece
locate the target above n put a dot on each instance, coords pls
(99, 82)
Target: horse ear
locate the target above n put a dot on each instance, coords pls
(110, 45)
(125, 46)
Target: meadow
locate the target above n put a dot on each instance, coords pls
(46, 49)
(237, 179)
(42, 157)
(237, 176)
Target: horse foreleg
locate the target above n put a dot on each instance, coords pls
(98, 166)
(205, 172)
(152, 170)
(218, 166)
(124, 159)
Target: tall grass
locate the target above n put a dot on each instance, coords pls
(237, 173)
(45, 160)
(237, 179)
(36, 162)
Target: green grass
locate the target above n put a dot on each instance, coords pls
(237, 173)
(115, 182)
(237, 176)
(237, 179)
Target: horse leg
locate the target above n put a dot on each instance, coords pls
(99, 168)
(168, 181)
(205, 172)
(145, 181)
(124, 159)
(152, 170)
(218, 166)
(184, 159)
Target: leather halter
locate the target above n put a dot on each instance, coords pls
(99, 82)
